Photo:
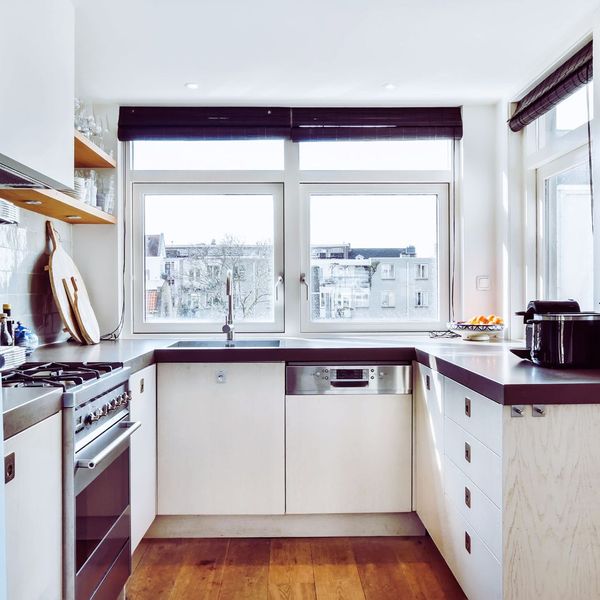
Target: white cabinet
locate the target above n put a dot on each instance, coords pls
(429, 450)
(348, 453)
(143, 453)
(221, 439)
(37, 86)
(34, 512)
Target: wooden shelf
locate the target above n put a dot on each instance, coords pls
(58, 206)
(90, 156)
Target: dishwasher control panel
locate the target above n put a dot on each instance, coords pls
(304, 378)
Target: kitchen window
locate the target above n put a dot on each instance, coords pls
(384, 236)
(193, 236)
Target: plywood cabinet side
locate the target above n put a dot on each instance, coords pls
(551, 507)
(143, 453)
(221, 441)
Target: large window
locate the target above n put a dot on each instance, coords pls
(365, 251)
(190, 237)
(317, 236)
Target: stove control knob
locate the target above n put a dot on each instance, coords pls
(105, 409)
(88, 420)
(99, 413)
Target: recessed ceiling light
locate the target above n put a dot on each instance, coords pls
(73, 217)
(390, 86)
(33, 202)
(192, 85)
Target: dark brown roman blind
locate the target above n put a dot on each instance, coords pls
(571, 75)
(312, 124)
(202, 123)
(298, 124)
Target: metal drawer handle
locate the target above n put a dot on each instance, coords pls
(428, 382)
(468, 497)
(468, 452)
(467, 542)
(91, 463)
(468, 407)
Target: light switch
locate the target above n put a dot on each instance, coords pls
(483, 283)
(221, 376)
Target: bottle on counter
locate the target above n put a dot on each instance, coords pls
(10, 322)
(5, 337)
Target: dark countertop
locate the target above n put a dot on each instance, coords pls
(24, 407)
(488, 368)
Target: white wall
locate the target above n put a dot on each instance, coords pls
(478, 212)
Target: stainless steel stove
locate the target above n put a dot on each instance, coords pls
(96, 436)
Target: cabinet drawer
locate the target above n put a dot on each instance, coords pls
(474, 566)
(478, 415)
(475, 507)
(475, 460)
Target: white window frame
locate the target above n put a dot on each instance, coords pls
(139, 191)
(389, 276)
(565, 162)
(443, 258)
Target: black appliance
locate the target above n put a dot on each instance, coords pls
(559, 335)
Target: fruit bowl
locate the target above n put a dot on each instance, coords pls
(475, 332)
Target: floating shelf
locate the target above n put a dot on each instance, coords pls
(57, 205)
(90, 156)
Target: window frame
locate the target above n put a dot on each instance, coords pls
(139, 191)
(443, 258)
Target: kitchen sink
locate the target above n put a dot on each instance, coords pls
(225, 344)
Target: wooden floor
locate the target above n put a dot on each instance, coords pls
(291, 569)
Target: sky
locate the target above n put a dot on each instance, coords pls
(386, 221)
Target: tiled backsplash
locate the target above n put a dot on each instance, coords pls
(24, 252)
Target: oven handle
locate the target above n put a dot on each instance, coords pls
(91, 463)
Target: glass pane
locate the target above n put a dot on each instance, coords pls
(569, 243)
(373, 257)
(394, 155)
(570, 114)
(237, 155)
(193, 241)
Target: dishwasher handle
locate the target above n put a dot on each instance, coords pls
(349, 383)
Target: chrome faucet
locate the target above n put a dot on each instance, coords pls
(229, 327)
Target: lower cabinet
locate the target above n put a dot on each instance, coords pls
(143, 453)
(221, 439)
(348, 454)
(34, 512)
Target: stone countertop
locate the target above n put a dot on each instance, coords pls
(486, 367)
(24, 407)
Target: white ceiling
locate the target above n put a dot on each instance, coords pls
(325, 52)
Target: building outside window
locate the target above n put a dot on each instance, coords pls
(422, 271)
(387, 271)
(388, 299)
(421, 299)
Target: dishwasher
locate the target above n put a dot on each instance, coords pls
(348, 438)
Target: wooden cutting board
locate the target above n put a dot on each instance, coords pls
(84, 313)
(63, 272)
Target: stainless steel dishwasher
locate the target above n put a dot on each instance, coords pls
(348, 438)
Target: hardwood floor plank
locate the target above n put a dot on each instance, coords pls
(428, 574)
(291, 575)
(156, 574)
(336, 574)
(246, 571)
(201, 573)
(381, 574)
(138, 555)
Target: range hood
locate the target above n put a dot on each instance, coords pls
(16, 175)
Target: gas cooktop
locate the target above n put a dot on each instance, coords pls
(56, 374)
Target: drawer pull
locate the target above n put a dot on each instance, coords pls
(468, 407)
(468, 497)
(468, 452)
(467, 542)
(428, 382)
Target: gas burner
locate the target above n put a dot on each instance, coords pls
(56, 374)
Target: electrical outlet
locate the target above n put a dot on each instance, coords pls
(9, 467)
(221, 376)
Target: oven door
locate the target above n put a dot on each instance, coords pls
(102, 515)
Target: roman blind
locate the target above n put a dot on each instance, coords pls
(572, 74)
(311, 124)
(202, 123)
(298, 124)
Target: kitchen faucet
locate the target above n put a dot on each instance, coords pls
(229, 327)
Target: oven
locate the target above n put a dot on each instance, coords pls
(102, 514)
(96, 482)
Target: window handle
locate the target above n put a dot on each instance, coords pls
(278, 282)
(304, 280)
